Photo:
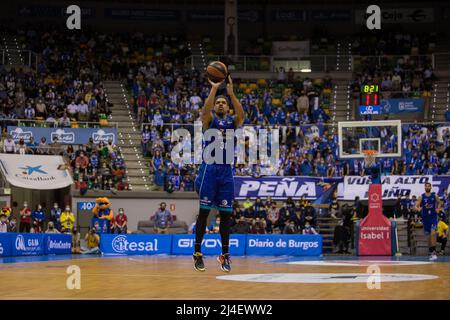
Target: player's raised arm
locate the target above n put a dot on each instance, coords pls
(209, 104)
(238, 110)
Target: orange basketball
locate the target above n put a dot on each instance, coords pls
(217, 71)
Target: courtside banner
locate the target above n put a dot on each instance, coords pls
(135, 244)
(280, 188)
(6, 244)
(34, 171)
(402, 105)
(58, 243)
(28, 244)
(64, 135)
(392, 186)
(441, 184)
(283, 244)
(184, 244)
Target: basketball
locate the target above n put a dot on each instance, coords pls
(217, 71)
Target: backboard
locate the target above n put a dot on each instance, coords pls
(383, 136)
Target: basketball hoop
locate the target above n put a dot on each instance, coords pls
(369, 158)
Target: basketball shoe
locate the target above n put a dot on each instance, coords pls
(225, 262)
(199, 265)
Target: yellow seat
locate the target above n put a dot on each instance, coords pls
(248, 91)
(253, 86)
(261, 82)
(103, 122)
(276, 102)
(243, 86)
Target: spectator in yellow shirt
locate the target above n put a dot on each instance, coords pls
(92, 242)
(442, 233)
(67, 219)
(247, 204)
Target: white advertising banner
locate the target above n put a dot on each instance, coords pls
(290, 49)
(392, 186)
(35, 172)
(399, 15)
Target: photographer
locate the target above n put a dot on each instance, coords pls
(92, 242)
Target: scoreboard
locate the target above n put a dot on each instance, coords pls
(370, 100)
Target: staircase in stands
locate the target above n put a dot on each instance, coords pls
(326, 230)
(419, 242)
(341, 105)
(13, 56)
(440, 100)
(404, 246)
(129, 136)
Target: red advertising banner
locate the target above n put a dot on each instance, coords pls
(375, 233)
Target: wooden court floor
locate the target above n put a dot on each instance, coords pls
(173, 277)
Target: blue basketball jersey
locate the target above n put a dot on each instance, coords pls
(221, 124)
(428, 204)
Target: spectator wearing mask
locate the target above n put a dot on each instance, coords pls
(76, 245)
(38, 217)
(341, 238)
(43, 147)
(9, 146)
(121, 222)
(67, 219)
(308, 229)
(215, 225)
(334, 209)
(241, 227)
(82, 161)
(273, 217)
(51, 228)
(4, 224)
(92, 242)
(25, 218)
(13, 225)
(258, 226)
(163, 219)
(290, 228)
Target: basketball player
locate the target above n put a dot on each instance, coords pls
(215, 183)
(430, 205)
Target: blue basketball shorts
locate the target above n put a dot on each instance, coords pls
(215, 186)
(430, 222)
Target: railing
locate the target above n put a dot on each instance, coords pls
(50, 124)
(324, 63)
(283, 128)
(28, 58)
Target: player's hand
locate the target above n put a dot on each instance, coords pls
(230, 86)
(215, 85)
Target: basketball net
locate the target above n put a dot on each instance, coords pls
(369, 159)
